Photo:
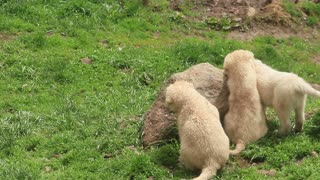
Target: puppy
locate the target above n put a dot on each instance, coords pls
(204, 144)
(245, 121)
(284, 92)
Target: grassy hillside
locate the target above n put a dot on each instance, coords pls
(61, 118)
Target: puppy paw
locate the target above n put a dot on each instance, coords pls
(298, 128)
(284, 132)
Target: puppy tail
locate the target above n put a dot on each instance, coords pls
(308, 89)
(239, 147)
(207, 173)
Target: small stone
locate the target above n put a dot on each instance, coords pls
(237, 19)
(251, 12)
(108, 155)
(86, 60)
(47, 169)
(50, 32)
(314, 154)
(56, 155)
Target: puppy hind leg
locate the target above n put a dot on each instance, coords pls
(207, 172)
(299, 114)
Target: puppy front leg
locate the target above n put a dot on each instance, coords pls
(284, 117)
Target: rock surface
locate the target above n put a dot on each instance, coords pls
(208, 81)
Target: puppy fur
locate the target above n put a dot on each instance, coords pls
(245, 121)
(204, 144)
(284, 92)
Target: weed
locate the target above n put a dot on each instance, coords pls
(224, 23)
(312, 21)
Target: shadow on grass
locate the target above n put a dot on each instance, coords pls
(313, 127)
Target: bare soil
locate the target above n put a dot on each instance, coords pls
(5, 36)
(265, 17)
(277, 32)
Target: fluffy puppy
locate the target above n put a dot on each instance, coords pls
(245, 121)
(284, 92)
(204, 144)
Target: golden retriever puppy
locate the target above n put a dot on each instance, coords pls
(203, 143)
(245, 121)
(284, 92)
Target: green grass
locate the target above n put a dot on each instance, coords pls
(308, 9)
(62, 119)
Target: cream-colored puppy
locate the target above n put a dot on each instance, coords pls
(284, 92)
(245, 121)
(204, 144)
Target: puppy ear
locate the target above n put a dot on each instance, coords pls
(168, 99)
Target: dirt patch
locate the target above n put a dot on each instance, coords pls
(233, 8)
(316, 59)
(6, 36)
(223, 8)
(275, 31)
(246, 19)
(311, 113)
(270, 172)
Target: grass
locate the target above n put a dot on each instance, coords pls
(62, 119)
(308, 9)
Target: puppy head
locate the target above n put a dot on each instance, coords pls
(238, 62)
(175, 94)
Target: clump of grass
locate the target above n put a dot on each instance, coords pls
(137, 167)
(311, 8)
(194, 51)
(18, 125)
(224, 23)
(314, 127)
(292, 9)
(312, 20)
(167, 155)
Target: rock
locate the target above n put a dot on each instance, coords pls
(208, 81)
(251, 12)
